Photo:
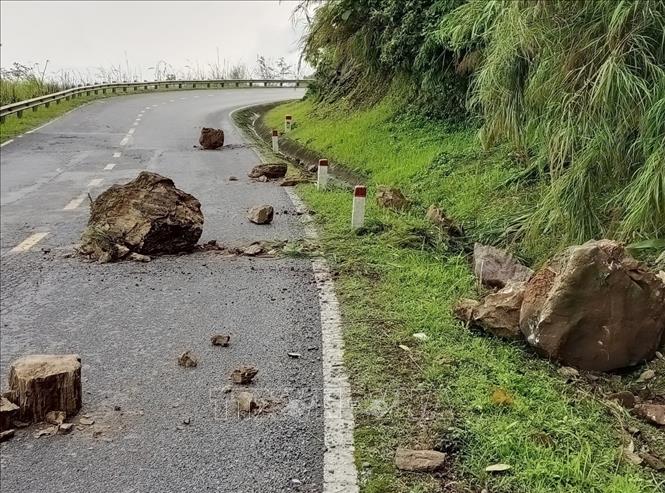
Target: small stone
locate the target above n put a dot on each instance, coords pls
(294, 355)
(65, 428)
(87, 421)
(55, 417)
(245, 401)
(625, 399)
(117, 408)
(253, 249)
(421, 336)
(652, 461)
(497, 468)
(220, 340)
(244, 375)
(8, 411)
(188, 360)
(138, 257)
(6, 435)
(227, 389)
(233, 178)
(179, 427)
(652, 412)
(568, 372)
(419, 460)
(261, 214)
(186, 421)
(20, 424)
(262, 179)
(646, 376)
(51, 430)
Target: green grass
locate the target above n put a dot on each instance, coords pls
(13, 126)
(402, 279)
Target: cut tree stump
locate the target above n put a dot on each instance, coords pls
(46, 382)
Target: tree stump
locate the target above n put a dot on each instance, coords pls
(46, 382)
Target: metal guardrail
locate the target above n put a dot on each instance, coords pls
(18, 108)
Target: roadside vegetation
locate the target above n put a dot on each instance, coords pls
(532, 124)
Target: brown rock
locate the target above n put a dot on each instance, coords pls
(625, 399)
(244, 375)
(220, 340)
(652, 461)
(65, 428)
(652, 412)
(419, 460)
(46, 382)
(261, 214)
(55, 417)
(498, 313)
(8, 412)
(438, 217)
(188, 360)
(138, 257)
(495, 267)
(391, 198)
(246, 402)
(594, 307)
(270, 171)
(253, 249)
(211, 138)
(148, 215)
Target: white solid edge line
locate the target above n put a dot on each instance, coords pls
(339, 468)
(74, 203)
(109, 166)
(29, 242)
(6, 142)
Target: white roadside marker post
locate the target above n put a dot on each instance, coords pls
(288, 120)
(275, 142)
(358, 211)
(322, 175)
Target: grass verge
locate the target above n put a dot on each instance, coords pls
(400, 277)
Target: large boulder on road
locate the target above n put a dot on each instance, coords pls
(594, 307)
(211, 138)
(147, 216)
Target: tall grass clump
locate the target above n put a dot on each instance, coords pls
(579, 90)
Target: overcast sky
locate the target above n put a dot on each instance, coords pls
(83, 36)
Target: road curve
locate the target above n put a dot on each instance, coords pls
(129, 321)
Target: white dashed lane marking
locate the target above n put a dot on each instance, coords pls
(109, 166)
(124, 141)
(131, 131)
(29, 242)
(117, 154)
(74, 203)
(96, 182)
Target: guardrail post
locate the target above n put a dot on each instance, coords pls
(265, 84)
(113, 90)
(322, 175)
(124, 89)
(47, 104)
(275, 141)
(297, 83)
(19, 114)
(156, 86)
(34, 108)
(135, 88)
(179, 86)
(104, 91)
(208, 85)
(87, 93)
(57, 101)
(96, 91)
(358, 210)
(145, 88)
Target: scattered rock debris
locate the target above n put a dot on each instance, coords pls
(188, 360)
(220, 340)
(655, 413)
(6, 434)
(244, 375)
(261, 214)
(271, 171)
(147, 216)
(293, 181)
(211, 138)
(419, 460)
(86, 421)
(8, 413)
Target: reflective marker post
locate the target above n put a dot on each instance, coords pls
(322, 175)
(275, 142)
(358, 211)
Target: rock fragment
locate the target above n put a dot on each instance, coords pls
(391, 198)
(437, 217)
(244, 375)
(498, 313)
(270, 171)
(246, 402)
(6, 435)
(625, 399)
(55, 417)
(253, 250)
(44, 383)
(65, 428)
(419, 460)
(261, 214)
(495, 267)
(654, 413)
(188, 360)
(220, 340)
(8, 413)
(211, 138)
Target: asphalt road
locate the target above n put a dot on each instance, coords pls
(130, 321)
